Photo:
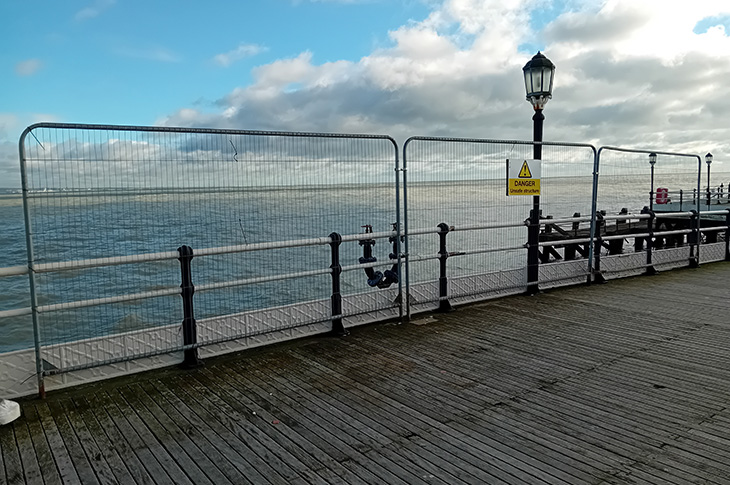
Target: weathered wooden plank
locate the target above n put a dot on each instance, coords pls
(81, 462)
(435, 416)
(31, 468)
(43, 453)
(108, 451)
(170, 439)
(454, 407)
(250, 422)
(119, 407)
(294, 446)
(142, 463)
(201, 451)
(11, 458)
(219, 435)
(349, 425)
(64, 463)
(316, 431)
(235, 427)
(407, 423)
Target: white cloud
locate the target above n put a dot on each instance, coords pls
(28, 67)
(628, 73)
(94, 10)
(241, 52)
(9, 165)
(11, 126)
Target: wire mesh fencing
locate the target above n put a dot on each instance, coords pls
(461, 184)
(647, 200)
(145, 245)
(107, 208)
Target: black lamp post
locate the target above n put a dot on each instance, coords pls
(652, 162)
(538, 74)
(708, 159)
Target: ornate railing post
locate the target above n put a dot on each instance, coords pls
(444, 305)
(338, 328)
(190, 333)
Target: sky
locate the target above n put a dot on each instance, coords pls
(646, 74)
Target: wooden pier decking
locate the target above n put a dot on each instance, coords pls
(627, 382)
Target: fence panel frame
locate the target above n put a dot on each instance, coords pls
(598, 277)
(484, 141)
(32, 266)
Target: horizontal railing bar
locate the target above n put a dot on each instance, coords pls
(645, 235)
(615, 238)
(13, 271)
(661, 215)
(207, 131)
(564, 242)
(263, 279)
(422, 258)
(420, 232)
(713, 229)
(107, 300)
(477, 227)
(565, 220)
(368, 235)
(483, 251)
(719, 212)
(100, 262)
(241, 248)
(673, 233)
(614, 217)
(15, 313)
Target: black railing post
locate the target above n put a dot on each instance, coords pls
(650, 270)
(338, 328)
(694, 239)
(727, 232)
(444, 305)
(533, 251)
(190, 332)
(597, 246)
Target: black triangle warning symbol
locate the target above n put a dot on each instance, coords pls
(525, 171)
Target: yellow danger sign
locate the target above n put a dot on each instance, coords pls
(525, 171)
(523, 177)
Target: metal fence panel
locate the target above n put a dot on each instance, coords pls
(462, 183)
(101, 192)
(630, 183)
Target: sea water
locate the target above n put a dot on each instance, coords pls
(69, 227)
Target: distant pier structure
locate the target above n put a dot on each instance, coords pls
(675, 219)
